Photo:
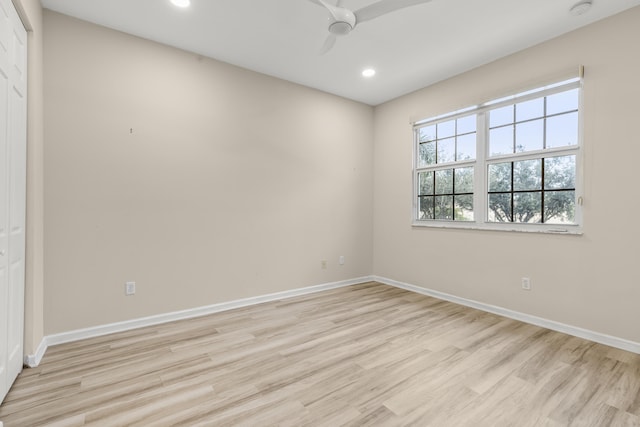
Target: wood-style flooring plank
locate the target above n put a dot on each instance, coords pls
(363, 355)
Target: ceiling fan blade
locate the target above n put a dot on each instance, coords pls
(383, 7)
(328, 44)
(331, 8)
(318, 2)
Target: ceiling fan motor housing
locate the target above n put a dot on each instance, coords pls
(340, 28)
(344, 21)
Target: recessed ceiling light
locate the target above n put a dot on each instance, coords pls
(580, 7)
(181, 3)
(369, 72)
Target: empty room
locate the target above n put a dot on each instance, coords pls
(319, 213)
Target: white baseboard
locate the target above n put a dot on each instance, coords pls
(80, 334)
(33, 360)
(523, 317)
(96, 331)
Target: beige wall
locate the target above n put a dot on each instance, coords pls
(588, 281)
(233, 184)
(31, 13)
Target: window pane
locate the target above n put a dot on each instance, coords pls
(561, 102)
(427, 154)
(444, 207)
(425, 180)
(427, 134)
(444, 181)
(529, 136)
(501, 141)
(501, 116)
(527, 175)
(500, 207)
(463, 208)
(446, 129)
(446, 150)
(562, 130)
(527, 207)
(425, 210)
(560, 173)
(559, 207)
(466, 147)
(500, 177)
(466, 124)
(464, 180)
(530, 109)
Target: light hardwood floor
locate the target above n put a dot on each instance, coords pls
(362, 355)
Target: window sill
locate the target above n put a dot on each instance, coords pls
(574, 230)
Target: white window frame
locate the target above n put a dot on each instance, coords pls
(483, 160)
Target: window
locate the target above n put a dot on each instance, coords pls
(511, 163)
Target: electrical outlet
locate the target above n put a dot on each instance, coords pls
(526, 283)
(130, 288)
(323, 264)
(341, 260)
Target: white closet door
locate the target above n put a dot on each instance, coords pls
(13, 157)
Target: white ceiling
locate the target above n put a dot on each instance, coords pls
(410, 48)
